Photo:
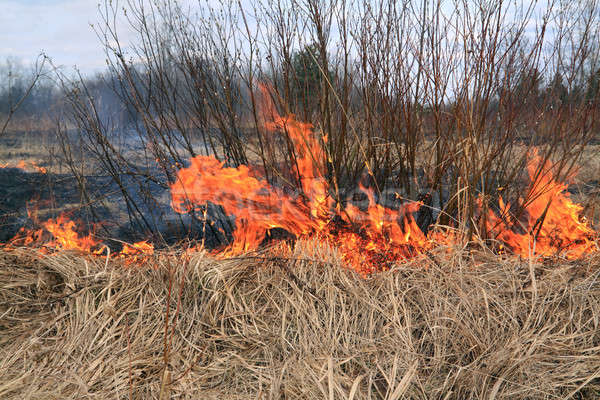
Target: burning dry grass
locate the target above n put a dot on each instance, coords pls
(448, 325)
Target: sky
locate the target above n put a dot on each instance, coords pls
(59, 28)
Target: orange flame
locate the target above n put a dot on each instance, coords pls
(136, 252)
(552, 223)
(25, 166)
(63, 234)
(368, 240)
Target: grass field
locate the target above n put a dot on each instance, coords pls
(381, 180)
(449, 325)
(452, 324)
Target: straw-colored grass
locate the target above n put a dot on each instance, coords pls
(450, 325)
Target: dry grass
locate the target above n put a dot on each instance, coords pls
(28, 148)
(451, 325)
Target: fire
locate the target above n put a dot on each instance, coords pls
(25, 238)
(63, 234)
(369, 238)
(552, 223)
(25, 166)
(60, 233)
(258, 206)
(142, 247)
(136, 252)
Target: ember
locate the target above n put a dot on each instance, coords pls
(137, 252)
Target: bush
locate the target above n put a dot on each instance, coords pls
(434, 104)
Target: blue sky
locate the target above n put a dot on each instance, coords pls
(60, 28)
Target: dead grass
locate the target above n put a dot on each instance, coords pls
(451, 325)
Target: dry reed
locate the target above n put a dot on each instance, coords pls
(449, 325)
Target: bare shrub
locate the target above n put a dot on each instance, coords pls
(441, 103)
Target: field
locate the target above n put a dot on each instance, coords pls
(460, 322)
(449, 325)
(290, 321)
(330, 199)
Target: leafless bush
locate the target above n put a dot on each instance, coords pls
(438, 101)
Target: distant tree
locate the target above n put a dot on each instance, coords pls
(556, 91)
(529, 86)
(308, 76)
(592, 92)
(12, 84)
(16, 88)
